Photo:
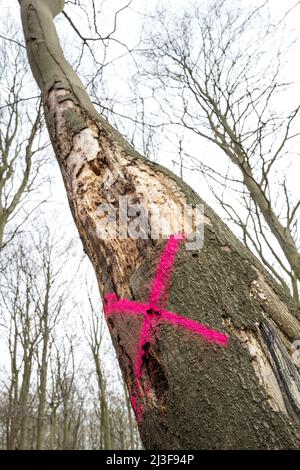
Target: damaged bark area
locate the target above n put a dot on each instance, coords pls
(193, 393)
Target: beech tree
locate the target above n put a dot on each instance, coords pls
(94, 336)
(20, 126)
(216, 370)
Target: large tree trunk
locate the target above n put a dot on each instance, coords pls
(105, 418)
(187, 391)
(43, 366)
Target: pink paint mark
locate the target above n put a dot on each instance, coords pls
(154, 313)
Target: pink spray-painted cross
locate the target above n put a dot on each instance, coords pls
(154, 312)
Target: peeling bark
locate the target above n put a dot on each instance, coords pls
(195, 394)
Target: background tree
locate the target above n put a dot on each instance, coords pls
(20, 137)
(208, 76)
(48, 400)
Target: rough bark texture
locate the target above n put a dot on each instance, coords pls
(201, 395)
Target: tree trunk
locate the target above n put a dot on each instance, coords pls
(43, 370)
(187, 391)
(2, 225)
(66, 423)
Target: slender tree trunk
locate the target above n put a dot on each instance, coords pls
(42, 395)
(130, 420)
(2, 225)
(53, 428)
(76, 430)
(187, 392)
(23, 401)
(121, 433)
(43, 367)
(11, 428)
(66, 424)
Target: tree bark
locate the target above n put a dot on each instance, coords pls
(192, 393)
